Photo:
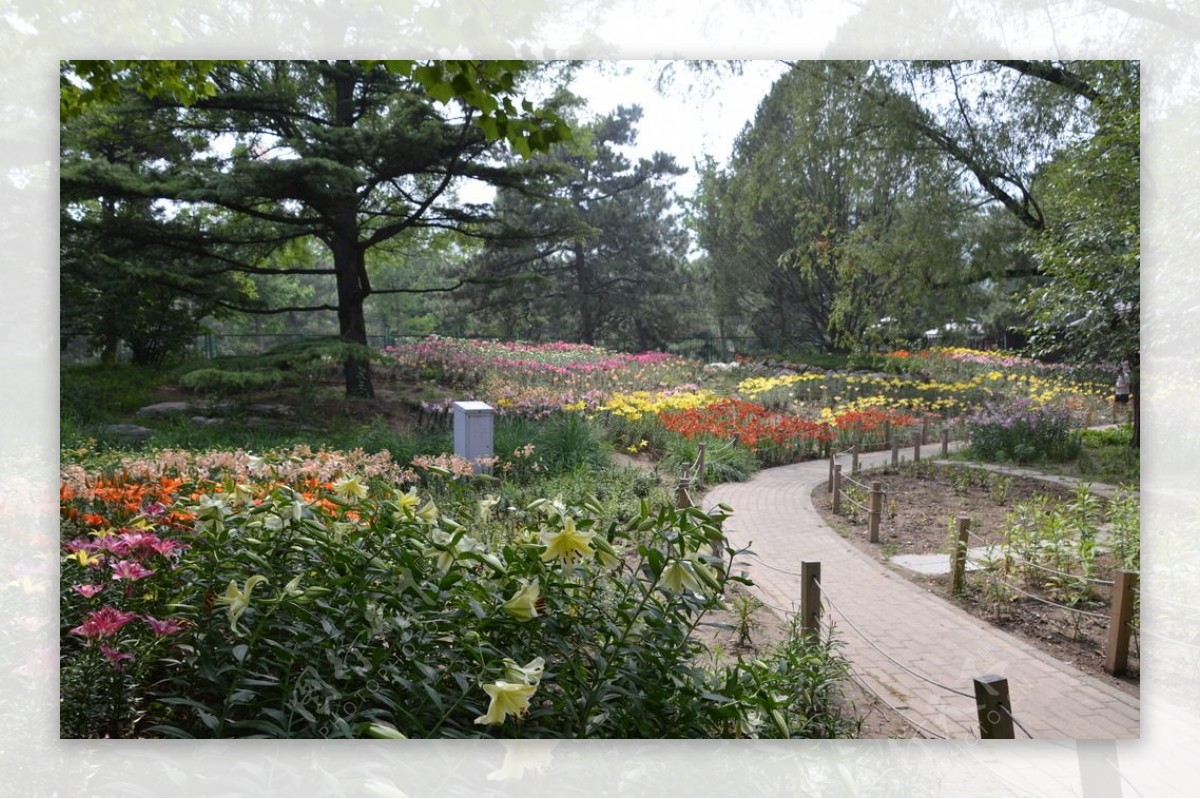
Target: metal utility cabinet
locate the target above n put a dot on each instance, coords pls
(474, 431)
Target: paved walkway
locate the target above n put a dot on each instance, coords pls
(893, 630)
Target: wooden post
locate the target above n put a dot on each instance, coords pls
(682, 498)
(837, 488)
(1117, 651)
(917, 447)
(854, 457)
(702, 452)
(958, 573)
(925, 430)
(895, 452)
(945, 441)
(876, 513)
(992, 703)
(857, 446)
(810, 597)
(832, 461)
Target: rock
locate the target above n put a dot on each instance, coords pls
(277, 409)
(161, 408)
(132, 433)
(206, 420)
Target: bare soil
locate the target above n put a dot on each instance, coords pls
(919, 510)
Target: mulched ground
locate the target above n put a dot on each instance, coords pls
(918, 512)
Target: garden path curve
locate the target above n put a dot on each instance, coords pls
(916, 651)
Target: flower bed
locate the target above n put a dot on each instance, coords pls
(328, 594)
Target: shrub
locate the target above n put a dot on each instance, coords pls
(569, 441)
(1022, 431)
(724, 461)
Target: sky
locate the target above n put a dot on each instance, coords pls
(697, 115)
(694, 116)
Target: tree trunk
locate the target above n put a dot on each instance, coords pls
(349, 260)
(352, 323)
(587, 310)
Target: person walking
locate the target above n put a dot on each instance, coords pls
(1121, 390)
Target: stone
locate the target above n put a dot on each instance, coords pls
(161, 408)
(132, 433)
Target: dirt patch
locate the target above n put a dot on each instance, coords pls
(919, 514)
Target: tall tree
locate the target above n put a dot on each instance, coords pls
(598, 251)
(1090, 251)
(827, 214)
(351, 154)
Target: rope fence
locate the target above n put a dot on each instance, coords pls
(996, 719)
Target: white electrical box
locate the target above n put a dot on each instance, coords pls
(474, 431)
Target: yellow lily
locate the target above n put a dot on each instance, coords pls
(568, 543)
(523, 605)
(507, 697)
(239, 600)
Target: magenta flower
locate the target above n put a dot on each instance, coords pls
(114, 657)
(130, 570)
(103, 622)
(88, 591)
(168, 547)
(164, 627)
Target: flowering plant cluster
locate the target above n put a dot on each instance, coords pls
(1022, 430)
(207, 597)
(538, 380)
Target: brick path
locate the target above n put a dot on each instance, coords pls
(869, 604)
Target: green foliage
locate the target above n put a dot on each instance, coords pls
(1091, 246)
(1106, 456)
(226, 382)
(724, 462)
(568, 441)
(102, 393)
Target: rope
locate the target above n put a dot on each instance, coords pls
(863, 486)
(776, 568)
(1040, 567)
(885, 654)
(921, 729)
(858, 505)
(1008, 713)
(1045, 601)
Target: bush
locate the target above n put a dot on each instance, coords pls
(304, 595)
(1022, 431)
(724, 461)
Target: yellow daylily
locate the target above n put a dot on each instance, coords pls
(568, 543)
(523, 605)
